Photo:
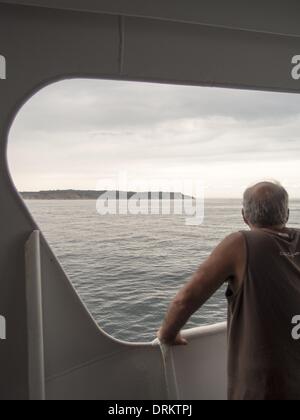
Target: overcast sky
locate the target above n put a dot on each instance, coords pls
(82, 133)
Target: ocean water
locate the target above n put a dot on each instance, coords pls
(127, 269)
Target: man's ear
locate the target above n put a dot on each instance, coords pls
(288, 218)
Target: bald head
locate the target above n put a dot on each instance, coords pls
(266, 205)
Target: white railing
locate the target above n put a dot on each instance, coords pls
(35, 318)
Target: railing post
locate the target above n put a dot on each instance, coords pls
(36, 362)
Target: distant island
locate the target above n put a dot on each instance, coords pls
(95, 195)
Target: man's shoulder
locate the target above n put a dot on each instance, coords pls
(233, 246)
(234, 252)
(234, 239)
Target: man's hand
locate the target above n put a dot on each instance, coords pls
(178, 341)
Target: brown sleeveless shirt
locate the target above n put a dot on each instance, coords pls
(264, 358)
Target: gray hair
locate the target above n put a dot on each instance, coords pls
(266, 204)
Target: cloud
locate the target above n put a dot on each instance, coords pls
(93, 105)
(74, 132)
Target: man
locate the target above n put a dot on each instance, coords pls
(262, 268)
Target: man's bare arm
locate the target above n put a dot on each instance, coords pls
(226, 261)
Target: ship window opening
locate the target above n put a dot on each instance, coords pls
(76, 138)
